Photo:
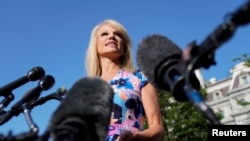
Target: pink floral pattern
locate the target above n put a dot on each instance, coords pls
(128, 112)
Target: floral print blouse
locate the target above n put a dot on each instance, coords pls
(128, 112)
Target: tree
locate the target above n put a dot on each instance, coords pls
(242, 102)
(244, 58)
(182, 121)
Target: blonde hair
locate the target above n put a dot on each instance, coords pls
(92, 62)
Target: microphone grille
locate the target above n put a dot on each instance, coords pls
(154, 50)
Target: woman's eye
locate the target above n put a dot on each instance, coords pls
(117, 34)
(104, 34)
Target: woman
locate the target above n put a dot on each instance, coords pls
(109, 57)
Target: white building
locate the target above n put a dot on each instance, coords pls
(231, 96)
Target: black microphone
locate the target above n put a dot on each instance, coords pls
(241, 16)
(34, 74)
(58, 95)
(161, 62)
(84, 114)
(44, 84)
(202, 55)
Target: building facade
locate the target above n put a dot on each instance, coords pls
(230, 97)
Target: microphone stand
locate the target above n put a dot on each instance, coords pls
(32, 135)
(5, 102)
(42, 100)
(203, 56)
(26, 109)
(182, 81)
(195, 97)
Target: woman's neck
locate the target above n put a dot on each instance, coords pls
(109, 70)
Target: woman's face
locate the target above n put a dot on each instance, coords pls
(109, 42)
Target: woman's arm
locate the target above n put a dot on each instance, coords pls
(155, 130)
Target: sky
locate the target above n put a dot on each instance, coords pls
(54, 34)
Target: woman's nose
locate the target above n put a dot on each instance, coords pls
(112, 36)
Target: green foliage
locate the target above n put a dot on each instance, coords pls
(244, 58)
(242, 102)
(219, 114)
(182, 121)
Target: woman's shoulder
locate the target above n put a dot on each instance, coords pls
(136, 74)
(139, 74)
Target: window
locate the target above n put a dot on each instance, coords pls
(217, 95)
(244, 80)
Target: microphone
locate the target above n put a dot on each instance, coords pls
(161, 62)
(84, 113)
(202, 55)
(44, 84)
(241, 15)
(34, 74)
(58, 95)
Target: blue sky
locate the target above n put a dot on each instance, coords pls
(54, 34)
